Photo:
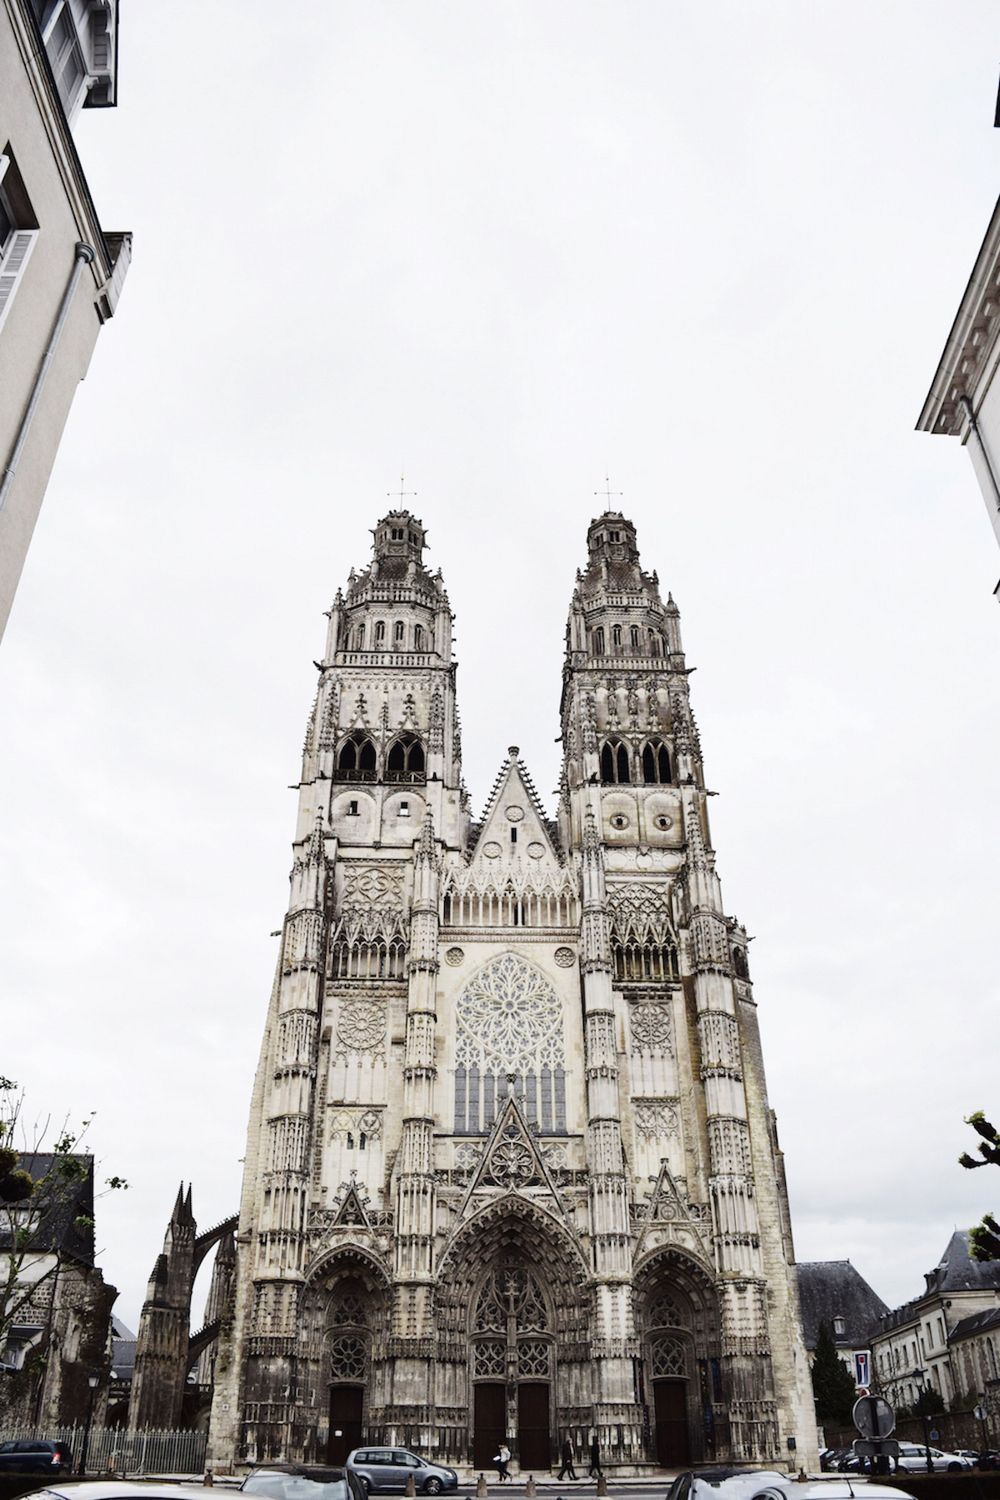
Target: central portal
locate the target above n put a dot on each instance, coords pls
(346, 1410)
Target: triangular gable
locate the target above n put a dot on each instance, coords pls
(667, 1210)
(351, 1213)
(514, 829)
(511, 1161)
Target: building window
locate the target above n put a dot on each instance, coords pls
(62, 47)
(352, 809)
(405, 761)
(18, 231)
(655, 763)
(356, 758)
(359, 638)
(615, 763)
(404, 809)
(379, 633)
(398, 633)
(397, 534)
(839, 1328)
(633, 637)
(418, 637)
(598, 640)
(616, 637)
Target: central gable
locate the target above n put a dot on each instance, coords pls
(514, 833)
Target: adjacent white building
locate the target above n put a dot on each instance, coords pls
(964, 400)
(60, 273)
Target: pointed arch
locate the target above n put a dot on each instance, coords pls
(356, 757)
(405, 759)
(656, 763)
(615, 763)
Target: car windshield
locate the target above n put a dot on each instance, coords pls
(295, 1487)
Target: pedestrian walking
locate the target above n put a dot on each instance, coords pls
(567, 1460)
(502, 1460)
(595, 1458)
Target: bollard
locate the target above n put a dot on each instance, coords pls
(411, 1488)
(209, 1478)
(481, 1489)
(602, 1483)
(531, 1488)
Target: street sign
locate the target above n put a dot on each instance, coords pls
(873, 1417)
(980, 1413)
(862, 1368)
(935, 1435)
(876, 1447)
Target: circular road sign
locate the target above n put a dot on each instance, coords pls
(873, 1417)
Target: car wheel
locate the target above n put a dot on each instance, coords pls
(432, 1487)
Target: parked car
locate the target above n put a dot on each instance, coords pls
(734, 1481)
(120, 1489)
(304, 1482)
(36, 1456)
(790, 1488)
(390, 1468)
(913, 1460)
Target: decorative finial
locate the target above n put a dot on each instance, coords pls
(513, 751)
(608, 492)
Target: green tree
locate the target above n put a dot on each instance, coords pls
(833, 1385)
(33, 1202)
(984, 1238)
(928, 1403)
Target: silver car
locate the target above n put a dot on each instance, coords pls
(390, 1468)
(913, 1459)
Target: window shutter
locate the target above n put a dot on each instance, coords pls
(19, 248)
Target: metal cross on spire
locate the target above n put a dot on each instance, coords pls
(403, 493)
(608, 492)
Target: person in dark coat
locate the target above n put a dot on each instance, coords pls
(567, 1460)
(595, 1458)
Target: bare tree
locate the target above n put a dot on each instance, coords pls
(45, 1199)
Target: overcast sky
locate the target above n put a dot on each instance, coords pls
(711, 250)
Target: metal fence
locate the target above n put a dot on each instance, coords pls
(116, 1450)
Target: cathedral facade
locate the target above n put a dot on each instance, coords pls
(511, 1169)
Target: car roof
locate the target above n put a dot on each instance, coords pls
(121, 1489)
(837, 1487)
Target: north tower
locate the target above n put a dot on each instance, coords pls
(511, 1169)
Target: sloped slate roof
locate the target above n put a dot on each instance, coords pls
(980, 1322)
(956, 1271)
(831, 1289)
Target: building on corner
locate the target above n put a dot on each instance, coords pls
(915, 1345)
(61, 274)
(511, 1169)
(964, 400)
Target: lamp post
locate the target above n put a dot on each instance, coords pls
(925, 1420)
(93, 1381)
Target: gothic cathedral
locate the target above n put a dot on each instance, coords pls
(511, 1169)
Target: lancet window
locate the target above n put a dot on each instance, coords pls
(597, 641)
(379, 634)
(615, 768)
(655, 763)
(405, 760)
(356, 758)
(509, 1020)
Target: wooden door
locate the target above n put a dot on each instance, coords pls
(673, 1442)
(534, 1444)
(490, 1424)
(346, 1410)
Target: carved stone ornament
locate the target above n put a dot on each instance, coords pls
(565, 958)
(361, 1024)
(454, 956)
